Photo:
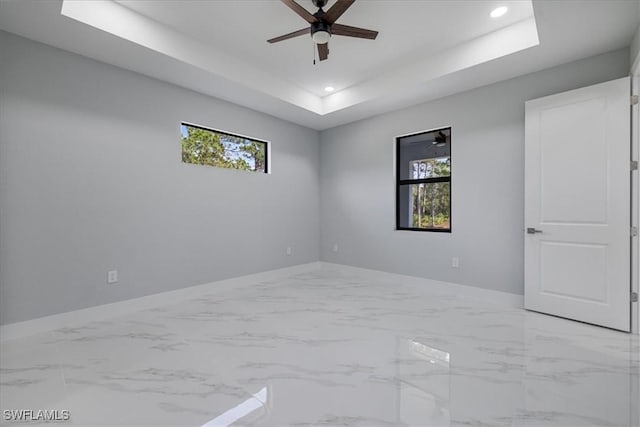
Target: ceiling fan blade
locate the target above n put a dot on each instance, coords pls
(291, 35)
(304, 13)
(323, 51)
(346, 30)
(337, 10)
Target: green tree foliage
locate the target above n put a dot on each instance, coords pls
(431, 201)
(210, 148)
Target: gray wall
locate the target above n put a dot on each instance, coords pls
(357, 181)
(91, 180)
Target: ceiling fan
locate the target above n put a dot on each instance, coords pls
(441, 139)
(323, 25)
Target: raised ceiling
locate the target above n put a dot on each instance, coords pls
(425, 49)
(407, 32)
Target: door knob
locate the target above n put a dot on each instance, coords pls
(531, 230)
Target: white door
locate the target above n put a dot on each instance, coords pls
(577, 204)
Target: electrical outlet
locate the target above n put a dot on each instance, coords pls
(112, 276)
(289, 250)
(335, 247)
(455, 262)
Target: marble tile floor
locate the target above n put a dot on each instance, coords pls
(326, 348)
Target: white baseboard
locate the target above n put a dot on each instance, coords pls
(105, 311)
(502, 299)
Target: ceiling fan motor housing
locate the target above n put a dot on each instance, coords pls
(320, 3)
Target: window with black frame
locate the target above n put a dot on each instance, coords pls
(423, 181)
(210, 147)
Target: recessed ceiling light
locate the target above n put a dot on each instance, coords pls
(498, 11)
(329, 89)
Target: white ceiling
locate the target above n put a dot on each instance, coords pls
(425, 49)
(407, 30)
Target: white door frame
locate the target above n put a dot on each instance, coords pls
(634, 54)
(635, 198)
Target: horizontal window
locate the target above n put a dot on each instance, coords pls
(202, 146)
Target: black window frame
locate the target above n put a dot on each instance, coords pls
(401, 182)
(222, 132)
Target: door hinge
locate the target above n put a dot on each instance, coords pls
(634, 165)
(634, 99)
(634, 231)
(634, 297)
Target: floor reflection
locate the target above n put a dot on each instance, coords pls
(423, 384)
(249, 406)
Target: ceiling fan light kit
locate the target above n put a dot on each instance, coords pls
(320, 32)
(323, 25)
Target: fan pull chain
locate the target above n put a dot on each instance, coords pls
(313, 49)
